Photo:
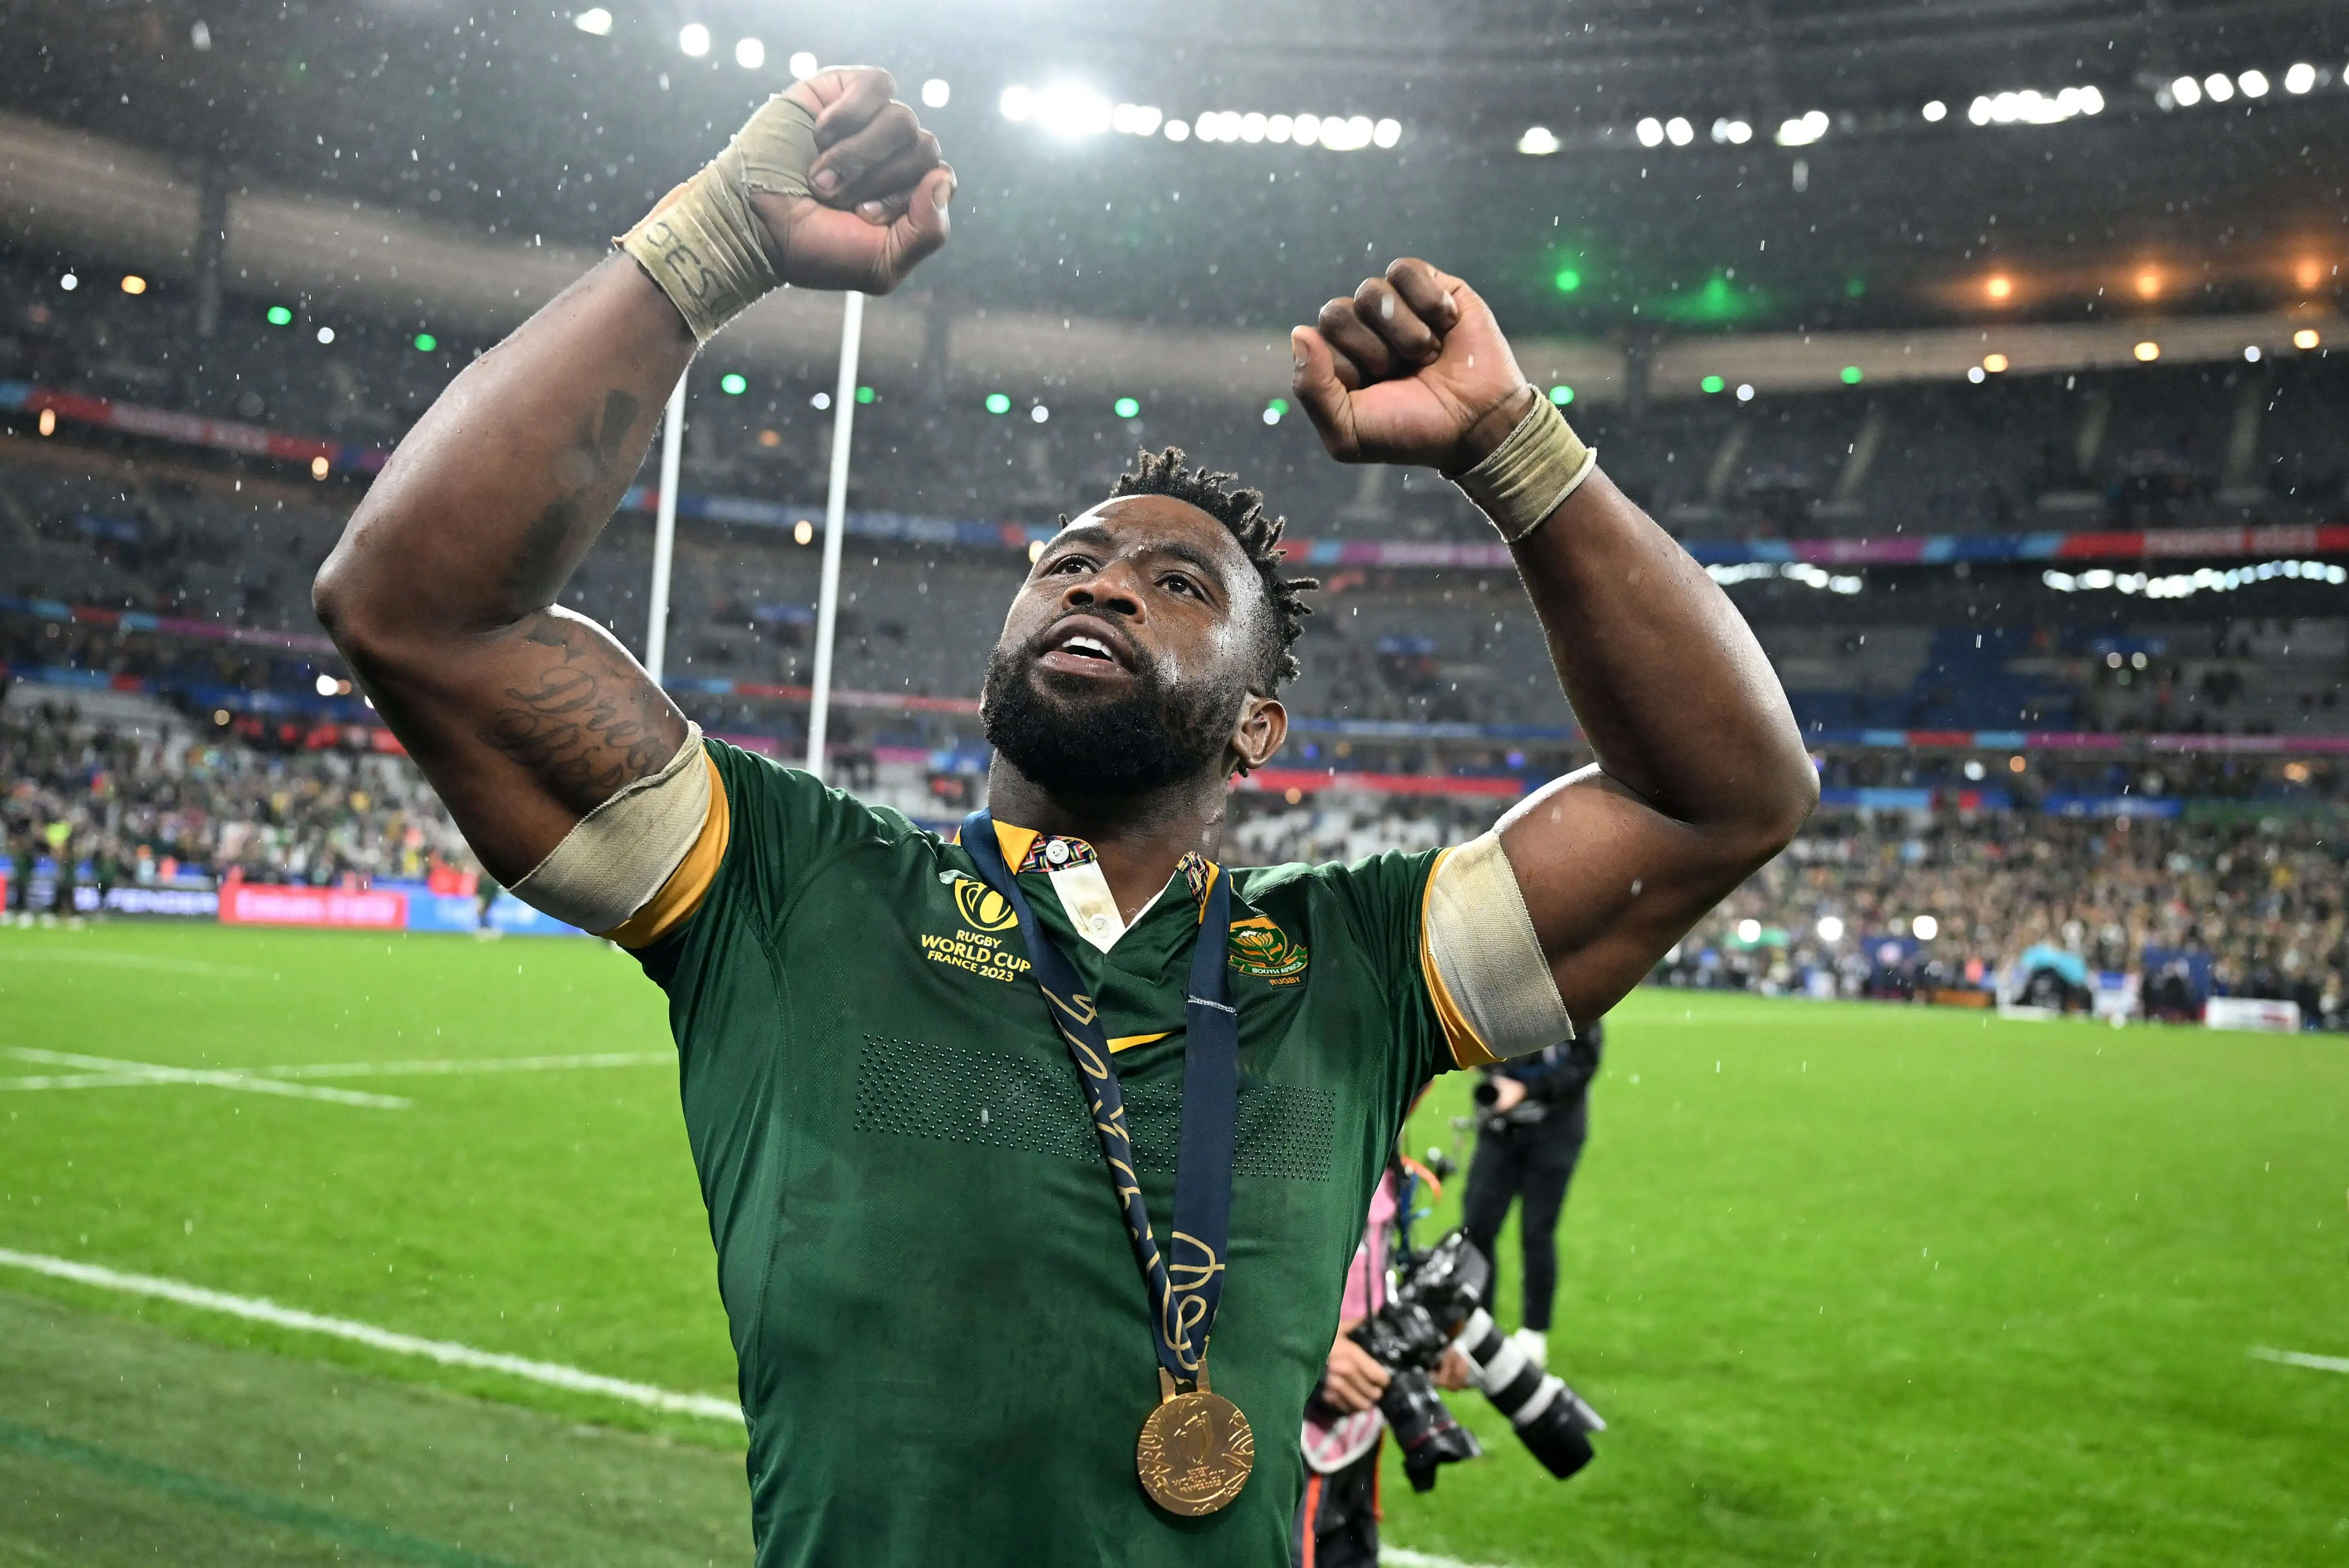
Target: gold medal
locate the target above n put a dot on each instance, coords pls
(1196, 1450)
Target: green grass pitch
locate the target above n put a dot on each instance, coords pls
(1854, 1285)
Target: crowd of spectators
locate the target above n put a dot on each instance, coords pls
(160, 804)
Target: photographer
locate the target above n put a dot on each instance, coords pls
(1532, 1113)
(1337, 1524)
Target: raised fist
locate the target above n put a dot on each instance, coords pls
(877, 189)
(1411, 369)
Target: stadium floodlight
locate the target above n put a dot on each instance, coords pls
(803, 66)
(1386, 133)
(1679, 132)
(1804, 131)
(821, 401)
(595, 23)
(1740, 133)
(1278, 127)
(1538, 142)
(1040, 414)
(324, 685)
(201, 35)
(1744, 392)
(998, 403)
(2300, 78)
(2251, 353)
(2217, 88)
(751, 54)
(320, 467)
(1128, 408)
(936, 92)
(803, 532)
(1974, 769)
(1650, 131)
(1062, 110)
(1017, 103)
(2306, 338)
(1749, 931)
(1142, 119)
(325, 335)
(693, 41)
(1936, 112)
(1925, 927)
(1306, 129)
(1830, 929)
(69, 283)
(1178, 131)
(2186, 92)
(1253, 126)
(1976, 374)
(1994, 363)
(133, 284)
(2254, 84)
(2148, 351)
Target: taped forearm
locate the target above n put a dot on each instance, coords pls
(1492, 987)
(704, 244)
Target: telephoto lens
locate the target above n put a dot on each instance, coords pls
(1550, 1418)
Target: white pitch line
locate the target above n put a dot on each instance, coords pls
(51, 954)
(105, 1072)
(2302, 1358)
(1403, 1557)
(258, 1309)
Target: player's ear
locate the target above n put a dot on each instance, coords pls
(1257, 734)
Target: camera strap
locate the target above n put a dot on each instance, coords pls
(1184, 1282)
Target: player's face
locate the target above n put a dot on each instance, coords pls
(1129, 652)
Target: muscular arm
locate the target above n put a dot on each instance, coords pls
(1702, 776)
(442, 592)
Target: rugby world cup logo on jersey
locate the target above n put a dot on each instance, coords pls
(977, 944)
(1264, 950)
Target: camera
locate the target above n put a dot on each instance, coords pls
(1523, 1114)
(1438, 1301)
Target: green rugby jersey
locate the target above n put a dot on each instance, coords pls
(945, 1346)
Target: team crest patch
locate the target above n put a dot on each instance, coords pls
(1264, 950)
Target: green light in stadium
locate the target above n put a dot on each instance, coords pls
(426, 343)
(997, 403)
(1561, 395)
(1851, 375)
(1277, 405)
(733, 384)
(1713, 383)
(1855, 287)
(279, 316)
(865, 394)
(1567, 280)
(1128, 408)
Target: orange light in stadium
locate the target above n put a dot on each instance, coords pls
(1994, 363)
(2296, 771)
(2000, 288)
(49, 421)
(318, 467)
(770, 438)
(2309, 273)
(2148, 352)
(2148, 284)
(133, 284)
(804, 533)
(2306, 337)
(2016, 764)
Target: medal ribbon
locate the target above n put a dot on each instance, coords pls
(1186, 1283)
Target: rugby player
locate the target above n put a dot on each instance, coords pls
(936, 1254)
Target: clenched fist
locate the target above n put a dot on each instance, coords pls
(876, 191)
(1411, 369)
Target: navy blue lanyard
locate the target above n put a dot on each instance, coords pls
(1186, 1283)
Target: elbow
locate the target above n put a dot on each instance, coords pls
(1782, 808)
(351, 600)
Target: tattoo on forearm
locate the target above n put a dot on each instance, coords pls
(586, 724)
(542, 557)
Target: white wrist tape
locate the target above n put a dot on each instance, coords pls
(704, 244)
(1481, 941)
(611, 865)
(1529, 475)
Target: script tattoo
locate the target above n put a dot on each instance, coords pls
(543, 557)
(587, 723)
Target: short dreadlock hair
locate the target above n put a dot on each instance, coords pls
(1168, 472)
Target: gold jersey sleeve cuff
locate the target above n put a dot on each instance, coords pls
(621, 855)
(1492, 987)
(689, 883)
(1529, 475)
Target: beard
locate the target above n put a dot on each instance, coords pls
(1151, 735)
